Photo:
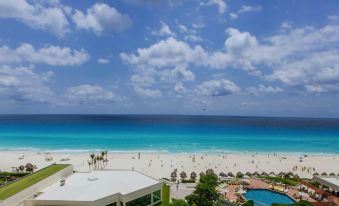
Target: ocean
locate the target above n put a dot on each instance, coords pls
(167, 133)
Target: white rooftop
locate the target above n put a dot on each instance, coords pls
(333, 180)
(96, 185)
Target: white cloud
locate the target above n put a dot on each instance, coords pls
(179, 88)
(154, 2)
(149, 93)
(221, 4)
(102, 18)
(245, 9)
(166, 53)
(239, 41)
(164, 30)
(233, 15)
(90, 94)
(264, 89)
(38, 15)
(103, 61)
(51, 55)
(322, 88)
(249, 8)
(222, 87)
(22, 84)
(142, 80)
(179, 73)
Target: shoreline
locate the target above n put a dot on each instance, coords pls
(159, 165)
(201, 152)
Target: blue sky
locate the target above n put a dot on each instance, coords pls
(209, 57)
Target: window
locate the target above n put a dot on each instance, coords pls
(156, 196)
(141, 201)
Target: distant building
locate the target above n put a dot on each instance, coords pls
(101, 188)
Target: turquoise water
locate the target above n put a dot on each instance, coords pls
(263, 197)
(168, 133)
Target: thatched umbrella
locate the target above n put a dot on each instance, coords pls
(296, 176)
(332, 174)
(221, 174)
(183, 175)
(264, 174)
(230, 174)
(324, 174)
(209, 172)
(290, 174)
(272, 174)
(193, 175)
(281, 174)
(201, 174)
(256, 173)
(315, 174)
(239, 174)
(248, 174)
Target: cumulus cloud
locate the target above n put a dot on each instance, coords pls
(23, 85)
(38, 15)
(249, 8)
(101, 18)
(90, 94)
(222, 87)
(154, 2)
(103, 61)
(164, 30)
(51, 55)
(142, 80)
(179, 73)
(147, 92)
(262, 89)
(245, 9)
(169, 52)
(179, 88)
(220, 4)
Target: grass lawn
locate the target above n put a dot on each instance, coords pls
(288, 181)
(165, 195)
(29, 180)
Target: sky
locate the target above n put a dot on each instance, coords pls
(194, 57)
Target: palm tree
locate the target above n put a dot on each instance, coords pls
(30, 167)
(92, 157)
(201, 174)
(21, 168)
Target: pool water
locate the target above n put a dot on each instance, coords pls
(262, 197)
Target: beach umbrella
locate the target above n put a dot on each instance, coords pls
(173, 174)
(222, 174)
(209, 172)
(193, 175)
(315, 174)
(201, 174)
(332, 174)
(290, 174)
(183, 175)
(230, 174)
(256, 173)
(264, 174)
(239, 174)
(281, 174)
(324, 174)
(248, 174)
(272, 174)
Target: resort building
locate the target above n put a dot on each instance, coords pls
(101, 188)
(331, 185)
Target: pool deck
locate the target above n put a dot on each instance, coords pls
(254, 183)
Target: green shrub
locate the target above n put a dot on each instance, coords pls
(248, 203)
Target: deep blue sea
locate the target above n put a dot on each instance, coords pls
(189, 134)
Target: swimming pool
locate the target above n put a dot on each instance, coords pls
(262, 197)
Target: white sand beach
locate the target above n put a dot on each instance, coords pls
(160, 165)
